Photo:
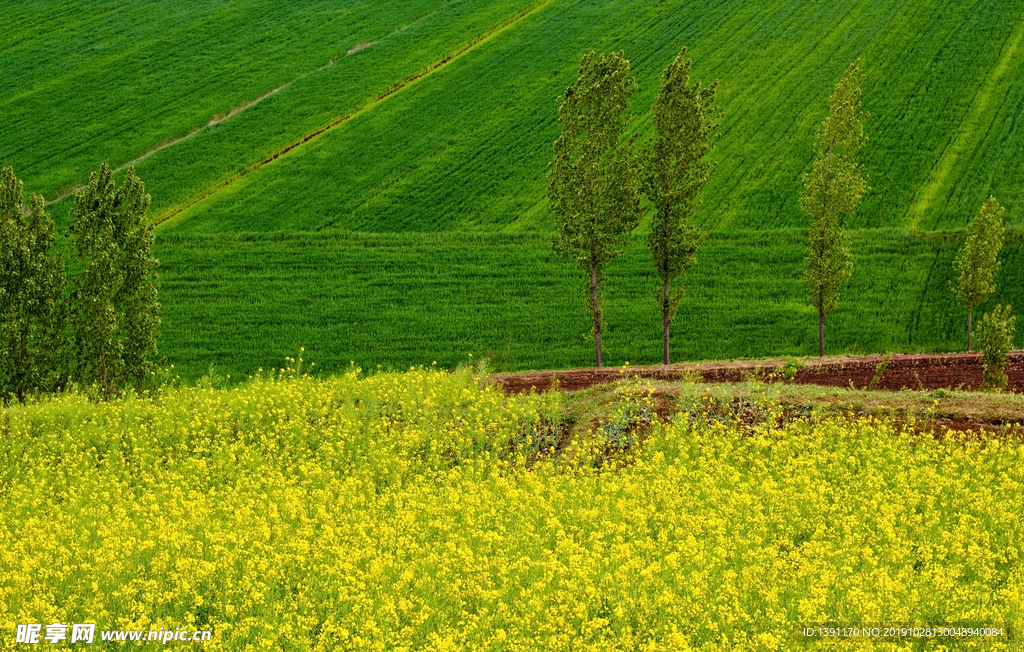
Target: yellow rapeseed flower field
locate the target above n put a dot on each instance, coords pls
(420, 511)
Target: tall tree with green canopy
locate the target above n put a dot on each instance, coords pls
(674, 174)
(116, 312)
(593, 181)
(977, 263)
(834, 186)
(32, 285)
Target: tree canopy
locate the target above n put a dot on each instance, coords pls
(32, 285)
(675, 171)
(116, 312)
(977, 261)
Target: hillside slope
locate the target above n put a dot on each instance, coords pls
(416, 227)
(467, 149)
(155, 83)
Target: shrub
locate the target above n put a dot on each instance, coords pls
(995, 340)
(880, 369)
(792, 368)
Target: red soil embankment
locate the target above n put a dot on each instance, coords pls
(911, 371)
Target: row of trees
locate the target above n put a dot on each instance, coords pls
(101, 327)
(597, 178)
(836, 185)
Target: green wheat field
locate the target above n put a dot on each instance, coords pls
(416, 229)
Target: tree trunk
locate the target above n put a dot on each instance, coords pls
(970, 314)
(666, 322)
(824, 215)
(821, 333)
(596, 314)
(103, 373)
(19, 366)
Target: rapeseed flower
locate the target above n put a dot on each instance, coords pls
(398, 511)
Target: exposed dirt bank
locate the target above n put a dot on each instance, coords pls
(910, 371)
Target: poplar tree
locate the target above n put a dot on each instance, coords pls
(32, 285)
(115, 307)
(675, 172)
(593, 182)
(976, 262)
(834, 186)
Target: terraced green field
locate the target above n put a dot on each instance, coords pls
(395, 299)
(416, 227)
(469, 147)
(114, 81)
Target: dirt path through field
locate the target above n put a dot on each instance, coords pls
(911, 371)
(217, 119)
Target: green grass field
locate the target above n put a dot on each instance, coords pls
(112, 81)
(455, 154)
(389, 299)
(417, 229)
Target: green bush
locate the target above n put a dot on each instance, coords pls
(995, 340)
(792, 368)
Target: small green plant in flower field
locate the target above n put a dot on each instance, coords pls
(633, 410)
(879, 370)
(791, 368)
(995, 340)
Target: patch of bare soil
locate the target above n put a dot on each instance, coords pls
(361, 46)
(954, 371)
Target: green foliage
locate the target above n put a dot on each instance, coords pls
(114, 303)
(977, 263)
(879, 370)
(834, 187)
(675, 172)
(593, 180)
(32, 284)
(792, 367)
(995, 340)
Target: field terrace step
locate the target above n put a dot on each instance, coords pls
(901, 371)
